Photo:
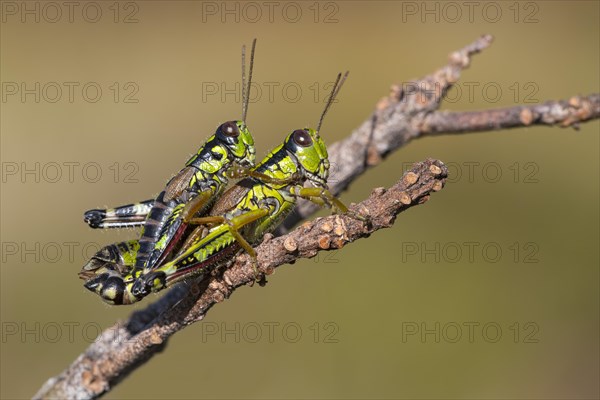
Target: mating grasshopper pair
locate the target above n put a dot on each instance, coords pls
(194, 226)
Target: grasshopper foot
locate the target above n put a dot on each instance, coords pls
(94, 218)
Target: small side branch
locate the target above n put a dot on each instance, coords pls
(563, 113)
(122, 348)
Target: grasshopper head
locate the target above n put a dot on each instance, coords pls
(310, 151)
(308, 147)
(237, 139)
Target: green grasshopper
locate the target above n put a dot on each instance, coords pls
(239, 218)
(229, 153)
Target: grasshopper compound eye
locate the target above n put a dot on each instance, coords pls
(302, 138)
(230, 129)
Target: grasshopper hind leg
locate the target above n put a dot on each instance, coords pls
(202, 253)
(234, 225)
(118, 258)
(323, 197)
(130, 215)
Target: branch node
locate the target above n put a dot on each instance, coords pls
(410, 178)
(290, 244)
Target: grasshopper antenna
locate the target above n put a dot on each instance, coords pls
(246, 87)
(334, 92)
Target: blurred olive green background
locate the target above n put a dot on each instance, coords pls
(357, 307)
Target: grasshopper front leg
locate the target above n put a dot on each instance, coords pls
(323, 197)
